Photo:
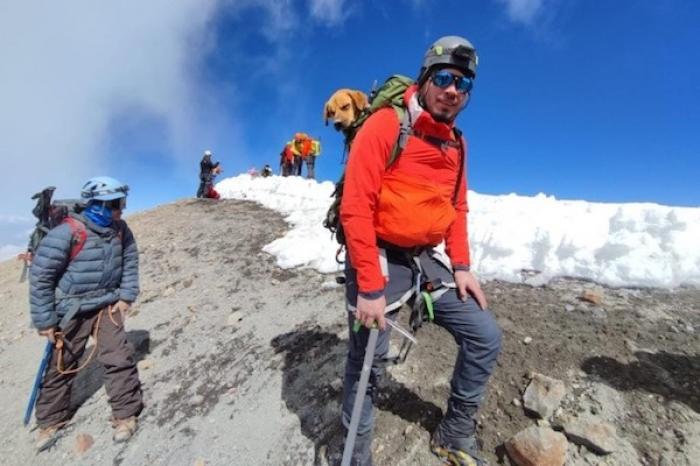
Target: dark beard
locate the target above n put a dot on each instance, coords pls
(442, 118)
(439, 117)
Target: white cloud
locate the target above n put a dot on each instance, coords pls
(69, 69)
(522, 11)
(328, 12)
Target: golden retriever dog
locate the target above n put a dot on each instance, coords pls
(343, 108)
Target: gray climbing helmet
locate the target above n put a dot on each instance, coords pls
(452, 51)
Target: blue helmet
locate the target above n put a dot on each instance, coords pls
(103, 188)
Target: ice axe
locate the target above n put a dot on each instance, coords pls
(360, 396)
(48, 350)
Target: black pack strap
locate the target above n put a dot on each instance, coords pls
(462, 158)
(436, 141)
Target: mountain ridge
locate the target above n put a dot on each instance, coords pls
(242, 361)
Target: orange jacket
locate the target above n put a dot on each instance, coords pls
(408, 204)
(303, 145)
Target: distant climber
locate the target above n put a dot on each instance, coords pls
(207, 172)
(305, 149)
(287, 159)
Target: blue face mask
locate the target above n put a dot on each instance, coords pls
(99, 213)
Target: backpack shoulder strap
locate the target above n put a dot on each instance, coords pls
(462, 157)
(405, 130)
(79, 236)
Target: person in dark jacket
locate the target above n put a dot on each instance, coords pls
(84, 277)
(206, 173)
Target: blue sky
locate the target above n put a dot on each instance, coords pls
(576, 99)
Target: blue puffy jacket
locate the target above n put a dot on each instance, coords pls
(105, 271)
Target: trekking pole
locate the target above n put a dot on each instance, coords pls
(360, 396)
(37, 382)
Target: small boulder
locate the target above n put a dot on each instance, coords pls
(537, 446)
(83, 442)
(599, 437)
(592, 296)
(145, 364)
(543, 395)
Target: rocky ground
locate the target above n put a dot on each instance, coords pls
(241, 362)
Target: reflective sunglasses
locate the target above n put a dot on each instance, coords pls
(444, 78)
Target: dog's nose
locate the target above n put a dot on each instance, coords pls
(338, 126)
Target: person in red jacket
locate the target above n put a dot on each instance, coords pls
(393, 218)
(287, 160)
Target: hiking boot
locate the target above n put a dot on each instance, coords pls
(456, 452)
(47, 437)
(123, 429)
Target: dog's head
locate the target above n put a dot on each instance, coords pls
(344, 107)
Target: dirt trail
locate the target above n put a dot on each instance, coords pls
(242, 361)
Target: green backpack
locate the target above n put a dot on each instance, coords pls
(390, 94)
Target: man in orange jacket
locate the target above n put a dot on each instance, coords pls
(393, 217)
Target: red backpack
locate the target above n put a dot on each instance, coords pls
(51, 213)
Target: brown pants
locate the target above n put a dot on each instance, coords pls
(113, 352)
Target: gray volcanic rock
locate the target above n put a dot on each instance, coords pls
(261, 351)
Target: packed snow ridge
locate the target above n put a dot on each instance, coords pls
(513, 238)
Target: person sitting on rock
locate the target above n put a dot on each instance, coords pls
(209, 191)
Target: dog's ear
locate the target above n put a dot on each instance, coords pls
(359, 98)
(326, 112)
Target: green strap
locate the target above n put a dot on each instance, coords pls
(357, 325)
(428, 305)
(405, 131)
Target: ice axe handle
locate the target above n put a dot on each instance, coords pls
(48, 350)
(360, 396)
(23, 275)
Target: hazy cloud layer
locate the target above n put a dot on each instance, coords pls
(69, 68)
(328, 11)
